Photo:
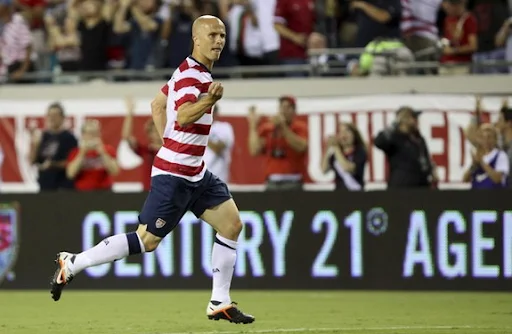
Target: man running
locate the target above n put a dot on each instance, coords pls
(182, 113)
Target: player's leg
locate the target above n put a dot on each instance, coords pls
(217, 208)
(158, 217)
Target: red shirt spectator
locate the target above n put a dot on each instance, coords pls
(34, 9)
(458, 29)
(293, 162)
(297, 16)
(93, 175)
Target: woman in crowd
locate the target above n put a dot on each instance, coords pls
(346, 156)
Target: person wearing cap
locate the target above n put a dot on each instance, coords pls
(504, 126)
(409, 160)
(490, 167)
(283, 140)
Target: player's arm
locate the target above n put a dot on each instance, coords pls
(158, 113)
(189, 112)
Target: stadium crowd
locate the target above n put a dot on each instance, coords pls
(96, 35)
(88, 163)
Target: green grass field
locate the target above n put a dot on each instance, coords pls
(172, 312)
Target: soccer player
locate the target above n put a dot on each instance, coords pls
(180, 180)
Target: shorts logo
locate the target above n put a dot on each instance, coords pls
(9, 240)
(160, 223)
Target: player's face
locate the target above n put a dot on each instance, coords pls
(213, 39)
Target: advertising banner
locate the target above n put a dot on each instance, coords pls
(399, 240)
(442, 124)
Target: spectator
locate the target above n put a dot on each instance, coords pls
(64, 41)
(143, 28)
(265, 12)
(419, 28)
(283, 140)
(180, 41)
(217, 156)
(147, 149)
(490, 15)
(93, 21)
(294, 22)
(409, 160)
(379, 18)
(504, 126)
(245, 40)
(49, 150)
(460, 36)
(346, 156)
(93, 164)
(490, 167)
(504, 38)
(16, 51)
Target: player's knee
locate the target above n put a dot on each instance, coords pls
(232, 229)
(149, 240)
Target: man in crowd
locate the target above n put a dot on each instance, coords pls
(217, 156)
(93, 164)
(283, 140)
(409, 160)
(49, 150)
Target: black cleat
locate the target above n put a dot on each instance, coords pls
(229, 312)
(62, 275)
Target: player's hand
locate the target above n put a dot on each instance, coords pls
(215, 91)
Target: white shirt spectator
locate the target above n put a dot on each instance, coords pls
(219, 164)
(14, 40)
(419, 18)
(265, 10)
(252, 37)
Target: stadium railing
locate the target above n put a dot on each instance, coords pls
(337, 66)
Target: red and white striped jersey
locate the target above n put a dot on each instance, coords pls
(419, 18)
(182, 152)
(14, 40)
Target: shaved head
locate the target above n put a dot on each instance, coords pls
(202, 22)
(209, 36)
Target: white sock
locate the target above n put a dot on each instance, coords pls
(223, 265)
(112, 248)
